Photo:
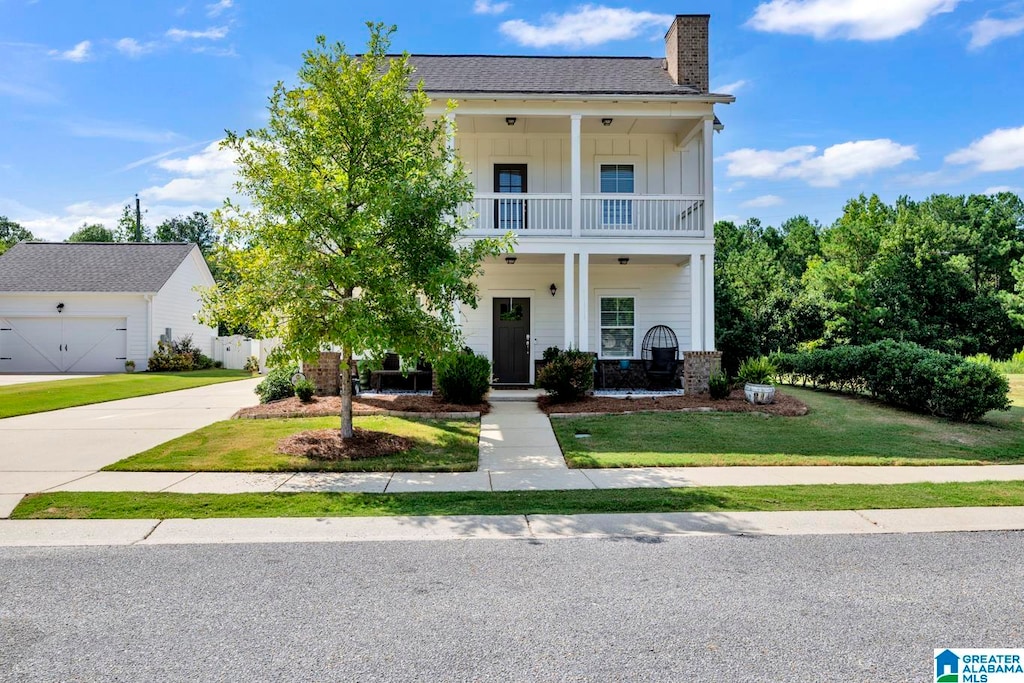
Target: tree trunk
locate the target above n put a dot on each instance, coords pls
(346, 393)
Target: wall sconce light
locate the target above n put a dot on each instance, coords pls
(606, 122)
(623, 260)
(510, 120)
(60, 308)
(511, 260)
(553, 289)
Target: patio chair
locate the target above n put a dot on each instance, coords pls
(660, 355)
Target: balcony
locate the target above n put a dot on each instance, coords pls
(601, 215)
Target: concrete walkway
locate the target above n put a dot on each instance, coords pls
(508, 527)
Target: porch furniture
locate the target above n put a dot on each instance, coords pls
(392, 368)
(660, 354)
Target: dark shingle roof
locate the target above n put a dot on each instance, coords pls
(89, 266)
(540, 75)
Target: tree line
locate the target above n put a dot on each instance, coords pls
(946, 272)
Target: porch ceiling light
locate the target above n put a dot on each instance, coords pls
(511, 260)
(510, 120)
(553, 289)
(623, 260)
(606, 122)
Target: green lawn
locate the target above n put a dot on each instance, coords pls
(122, 505)
(251, 446)
(38, 397)
(840, 430)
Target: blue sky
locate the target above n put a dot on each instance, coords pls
(101, 100)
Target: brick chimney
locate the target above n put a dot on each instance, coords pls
(686, 50)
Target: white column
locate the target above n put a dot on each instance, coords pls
(570, 305)
(709, 302)
(709, 178)
(696, 304)
(577, 174)
(584, 332)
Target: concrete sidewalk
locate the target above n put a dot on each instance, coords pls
(510, 527)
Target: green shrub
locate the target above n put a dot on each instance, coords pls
(252, 364)
(718, 386)
(757, 371)
(177, 356)
(276, 385)
(463, 378)
(551, 353)
(569, 376)
(305, 389)
(905, 375)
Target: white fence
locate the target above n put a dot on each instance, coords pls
(235, 350)
(546, 214)
(606, 214)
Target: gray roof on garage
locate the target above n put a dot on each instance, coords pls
(89, 266)
(545, 75)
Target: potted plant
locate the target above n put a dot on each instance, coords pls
(129, 366)
(757, 375)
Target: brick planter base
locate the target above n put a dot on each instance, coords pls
(325, 373)
(698, 366)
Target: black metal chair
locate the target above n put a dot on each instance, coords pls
(660, 355)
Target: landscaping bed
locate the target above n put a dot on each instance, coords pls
(400, 405)
(419, 445)
(785, 405)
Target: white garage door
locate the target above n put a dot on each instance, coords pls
(62, 344)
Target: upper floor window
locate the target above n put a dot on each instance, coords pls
(617, 179)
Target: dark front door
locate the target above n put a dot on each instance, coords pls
(510, 213)
(512, 341)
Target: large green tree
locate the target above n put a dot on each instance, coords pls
(12, 232)
(351, 240)
(94, 232)
(195, 228)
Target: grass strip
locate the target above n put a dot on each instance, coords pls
(126, 505)
(39, 397)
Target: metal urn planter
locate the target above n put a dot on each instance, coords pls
(759, 394)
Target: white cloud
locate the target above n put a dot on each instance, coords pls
(488, 7)
(1003, 188)
(586, 25)
(988, 30)
(730, 88)
(212, 33)
(834, 165)
(1000, 150)
(79, 53)
(133, 48)
(206, 177)
(113, 130)
(217, 8)
(849, 19)
(763, 201)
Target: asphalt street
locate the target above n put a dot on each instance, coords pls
(798, 608)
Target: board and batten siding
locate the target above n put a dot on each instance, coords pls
(662, 294)
(131, 307)
(660, 169)
(177, 304)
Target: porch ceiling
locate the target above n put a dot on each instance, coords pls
(590, 125)
(595, 260)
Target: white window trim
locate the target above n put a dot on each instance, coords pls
(639, 171)
(616, 294)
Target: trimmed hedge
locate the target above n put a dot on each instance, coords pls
(902, 374)
(463, 378)
(277, 384)
(569, 376)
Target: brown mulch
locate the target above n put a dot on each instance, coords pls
(326, 444)
(784, 405)
(329, 406)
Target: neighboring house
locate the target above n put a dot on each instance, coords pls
(89, 307)
(602, 166)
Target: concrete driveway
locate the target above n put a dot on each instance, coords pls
(44, 450)
(8, 380)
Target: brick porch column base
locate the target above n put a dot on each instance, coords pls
(325, 373)
(697, 369)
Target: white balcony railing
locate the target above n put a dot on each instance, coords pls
(542, 214)
(601, 214)
(608, 214)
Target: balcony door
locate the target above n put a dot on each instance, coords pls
(510, 214)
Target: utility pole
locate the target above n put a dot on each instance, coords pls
(138, 219)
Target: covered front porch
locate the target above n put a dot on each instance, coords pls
(598, 298)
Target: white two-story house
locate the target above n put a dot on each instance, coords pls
(602, 167)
